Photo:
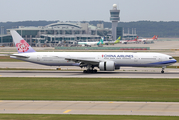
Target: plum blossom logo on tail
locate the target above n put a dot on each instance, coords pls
(23, 46)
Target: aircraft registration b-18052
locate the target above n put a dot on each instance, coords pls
(105, 61)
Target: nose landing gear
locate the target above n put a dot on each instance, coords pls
(163, 69)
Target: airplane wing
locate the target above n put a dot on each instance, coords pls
(82, 60)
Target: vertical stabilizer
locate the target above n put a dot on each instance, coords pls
(156, 37)
(153, 37)
(21, 45)
(118, 40)
(101, 41)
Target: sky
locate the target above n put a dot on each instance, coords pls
(88, 10)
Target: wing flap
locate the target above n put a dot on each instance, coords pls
(84, 60)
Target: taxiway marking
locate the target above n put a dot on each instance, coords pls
(66, 111)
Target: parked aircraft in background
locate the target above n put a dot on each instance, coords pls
(148, 39)
(112, 42)
(156, 37)
(91, 43)
(129, 41)
(105, 61)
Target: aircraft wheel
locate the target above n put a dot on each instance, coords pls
(84, 71)
(88, 71)
(162, 71)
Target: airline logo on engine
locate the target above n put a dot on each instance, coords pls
(118, 56)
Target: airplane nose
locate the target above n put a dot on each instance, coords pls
(174, 61)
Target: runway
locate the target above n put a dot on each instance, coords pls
(29, 65)
(70, 71)
(89, 107)
(80, 74)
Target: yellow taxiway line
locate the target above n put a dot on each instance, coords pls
(66, 111)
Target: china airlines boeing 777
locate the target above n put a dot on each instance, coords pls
(105, 61)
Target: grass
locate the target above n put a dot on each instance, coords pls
(8, 59)
(82, 117)
(90, 89)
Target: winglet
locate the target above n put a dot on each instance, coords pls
(21, 45)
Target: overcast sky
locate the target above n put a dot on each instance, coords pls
(86, 10)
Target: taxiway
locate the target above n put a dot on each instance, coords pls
(89, 107)
(172, 73)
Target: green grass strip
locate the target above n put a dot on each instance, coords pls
(90, 89)
(82, 117)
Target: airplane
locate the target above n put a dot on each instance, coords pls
(90, 43)
(156, 37)
(105, 61)
(129, 41)
(148, 39)
(112, 42)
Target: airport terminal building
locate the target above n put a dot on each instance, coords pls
(59, 33)
(64, 33)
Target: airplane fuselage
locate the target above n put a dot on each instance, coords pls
(119, 58)
(88, 43)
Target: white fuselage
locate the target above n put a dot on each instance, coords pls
(146, 40)
(88, 43)
(119, 58)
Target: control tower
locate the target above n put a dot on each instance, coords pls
(114, 18)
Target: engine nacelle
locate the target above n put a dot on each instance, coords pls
(107, 66)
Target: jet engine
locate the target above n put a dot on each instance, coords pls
(107, 66)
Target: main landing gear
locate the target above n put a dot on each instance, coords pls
(163, 69)
(90, 69)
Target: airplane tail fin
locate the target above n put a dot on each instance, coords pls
(136, 38)
(153, 37)
(156, 37)
(21, 45)
(101, 41)
(118, 40)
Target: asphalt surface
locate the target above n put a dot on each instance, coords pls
(172, 73)
(29, 65)
(90, 107)
(87, 107)
(72, 71)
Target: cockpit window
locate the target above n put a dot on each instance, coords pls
(170, 58)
